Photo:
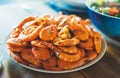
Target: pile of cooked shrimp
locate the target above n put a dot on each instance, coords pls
(54, 43)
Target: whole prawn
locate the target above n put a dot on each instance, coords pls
(69, 57)
(70, 65)
(27, 55)
(17, 30)
(41, 53)
(48, 33)
(31, 35)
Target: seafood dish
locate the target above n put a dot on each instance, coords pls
(56, 43)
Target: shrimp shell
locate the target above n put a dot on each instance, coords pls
(91, 55)
(27, 19)
(69, 57)
(19, 28)
(15, 49)
(83, 54)
(38, 44)
(68, 42)
(71, 65)
(27, 55)
(97, 42)
(15, 33)
(51, 46)
(51, 62)
(81, 33)
(18, 58)
(88, 44)
(16, 42)
(48, 33)
(69, 49)
(41, 53)
(31, 36)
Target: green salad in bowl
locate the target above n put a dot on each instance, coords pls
(108, 7)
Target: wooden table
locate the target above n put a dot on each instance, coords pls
(10, 15)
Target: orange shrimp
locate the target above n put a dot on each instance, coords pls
(27, 55)
(69, 57)
(16, 42)
(15, 33)
(14, 48)
(90, 30)
(68, 42)
(81, 33)
(17, 58)
(48, 33)
(30, 33)
(27, 19)
(85, 22)
(91, 55)
(51, 62)
(70, 65)
(97, 42)
(19, 28)
(38, 44)
(83, 54)
(51, 46)
(41, 53)
(45, 20)
(69, 49)
(88, 44)
(61, 20)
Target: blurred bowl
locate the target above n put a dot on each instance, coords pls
(108, 25)
(75, 3)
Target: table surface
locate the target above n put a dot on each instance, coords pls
(10, 15)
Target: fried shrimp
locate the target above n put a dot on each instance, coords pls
(97, 42)
(17, 58)
(16, 42)
(69, 57)
(51, 46)
(91, 55)
(70, 65)
(48, 33)
(26, 20)
(83, 54)
(69, 49)
(27, 55)
(51, 62)
(81, 33)
(38, 44)
(15, 48)
(88, 44)
(41, 53)
(19, 28)
(54, 43)
(33, 33)
(68, 42)
(15, 33)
